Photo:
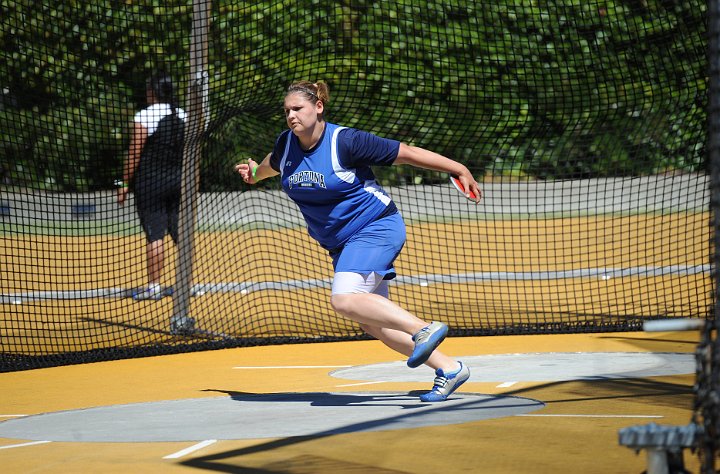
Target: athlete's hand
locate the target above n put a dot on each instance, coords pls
(246, 171)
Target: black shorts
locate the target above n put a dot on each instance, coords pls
(158, 211)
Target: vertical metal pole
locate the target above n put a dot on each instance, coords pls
(713, 130)
(181, 321)
(710, 400)
(657, 462)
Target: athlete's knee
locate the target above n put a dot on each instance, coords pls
(344, 303)
(370, 330)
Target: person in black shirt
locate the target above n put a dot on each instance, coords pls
(153, 171)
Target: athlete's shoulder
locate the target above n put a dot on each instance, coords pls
(349, 138)
(359, 136)
(152, 114)
(361, 147)
(151, 110)
(282, 139)
(181, 113)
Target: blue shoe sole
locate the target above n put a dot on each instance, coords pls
(436, 397)
(422, 353)
(432, 396)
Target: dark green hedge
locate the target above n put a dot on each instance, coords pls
(565, 89)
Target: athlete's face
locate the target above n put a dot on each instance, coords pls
(302, 114)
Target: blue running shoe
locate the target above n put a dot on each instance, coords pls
(426, 340)
(446, 384)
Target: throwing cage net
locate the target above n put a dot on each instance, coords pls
(584, 122)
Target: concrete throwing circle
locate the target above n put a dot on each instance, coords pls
(538, 367)
(254, 416)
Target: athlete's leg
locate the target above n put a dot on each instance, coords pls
(155, 261)
(150, 210)
(374, 310)
(402, 342)
(361, 266)
(365, 299)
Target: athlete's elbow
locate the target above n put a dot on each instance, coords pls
(406, 155)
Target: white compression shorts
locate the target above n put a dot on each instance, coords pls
(351, 283)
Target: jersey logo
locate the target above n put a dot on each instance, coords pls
(307, 179)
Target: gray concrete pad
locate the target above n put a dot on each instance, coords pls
(538, 367)
(258, 416)
(254, 416)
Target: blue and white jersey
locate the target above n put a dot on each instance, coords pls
(332, 183)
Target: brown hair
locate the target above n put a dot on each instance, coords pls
(312, 91)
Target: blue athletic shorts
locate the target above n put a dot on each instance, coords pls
(372, 249)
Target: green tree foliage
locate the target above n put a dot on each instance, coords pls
(73, 73)
(549, 90)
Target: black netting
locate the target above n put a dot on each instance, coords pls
(584, 121)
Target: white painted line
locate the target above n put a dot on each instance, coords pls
(191, 449)
(12, 416)
(595, 416)
(295, 367)
(10, 446)
(361, 383)
(506, 384)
